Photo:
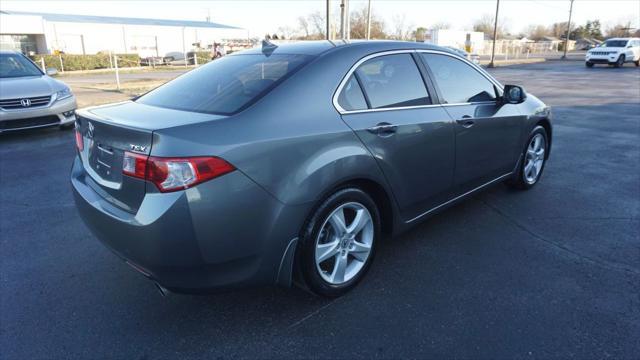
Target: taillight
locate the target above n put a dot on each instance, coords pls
(172, 174)
(79, 141)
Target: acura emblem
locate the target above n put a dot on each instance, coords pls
(25, 102)
(90, 131)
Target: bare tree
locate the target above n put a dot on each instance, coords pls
(537, 32)
(618, 30)
(559, 29)
(316, 20)
(441, 26)
(286, 32)
(401, 30)
(486, 23)
(304, 25)
(359, 25)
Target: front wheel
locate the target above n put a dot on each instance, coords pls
(338, 242)
(588, 64)
(620, 61)
(637, 62)
(534, 158)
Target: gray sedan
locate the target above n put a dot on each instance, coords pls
(29, 98)
(289, 164)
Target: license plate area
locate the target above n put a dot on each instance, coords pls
(105, 161)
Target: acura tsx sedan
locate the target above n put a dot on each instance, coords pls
(289, 164)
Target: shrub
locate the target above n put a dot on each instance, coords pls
(86, 62)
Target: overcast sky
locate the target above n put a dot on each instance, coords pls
(261, 16)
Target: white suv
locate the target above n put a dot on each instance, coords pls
(616, 51)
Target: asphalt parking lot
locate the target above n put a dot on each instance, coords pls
(552, 272)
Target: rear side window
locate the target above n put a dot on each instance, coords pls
(226, 85)
(392, 81)
(351, 97)
(459, 82)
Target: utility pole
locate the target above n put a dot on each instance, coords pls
(566, 38)
(342, 22)
(495, 35)
(347, 20)
(328, 21)
(369, 21)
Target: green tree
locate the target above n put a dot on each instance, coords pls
(419, 34)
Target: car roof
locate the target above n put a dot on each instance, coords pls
(319, 47)
(8, 52)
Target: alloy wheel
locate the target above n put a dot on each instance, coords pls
(344, 243)
(534, 159)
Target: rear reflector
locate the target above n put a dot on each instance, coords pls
(79, 141)
(172, 174)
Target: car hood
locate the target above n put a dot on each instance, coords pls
(28, 86)
(608, 49)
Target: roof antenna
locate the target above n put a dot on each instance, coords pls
(268, 47)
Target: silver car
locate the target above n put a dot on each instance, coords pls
(288, 164)
(29, 98)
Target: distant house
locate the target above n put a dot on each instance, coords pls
(553, 43)
(587, 43)
(83, 34)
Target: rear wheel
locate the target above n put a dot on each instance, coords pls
(620, 61)
(588, 64)
(338, 242)
(534, 158)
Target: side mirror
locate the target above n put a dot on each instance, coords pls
(513, 94)
(51, 71)
(629, 46)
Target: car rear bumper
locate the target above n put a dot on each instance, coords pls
(224, 233)
(51, 115)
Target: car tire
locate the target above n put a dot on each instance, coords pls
(532, 160)
(620, 62)
(637, 62)
(331, 261)
(588, 64)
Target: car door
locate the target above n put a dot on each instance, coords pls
(385, 100)
(487, 132)
(634, 50)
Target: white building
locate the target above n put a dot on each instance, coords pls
(456, 38)
(81, 34)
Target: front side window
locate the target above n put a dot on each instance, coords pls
(392, 81)
(226, 85)
(16, 65)
(351, 97)
(459, 82)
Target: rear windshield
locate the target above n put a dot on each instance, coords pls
(226, 85)
(16, 65)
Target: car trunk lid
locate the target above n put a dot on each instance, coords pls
(109, 131)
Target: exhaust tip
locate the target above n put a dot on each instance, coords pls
(163, 291)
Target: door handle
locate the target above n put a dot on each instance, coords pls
(466, 121)
(383, 129)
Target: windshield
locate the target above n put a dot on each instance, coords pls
(614, 43)
(226, 85)
(16, 65)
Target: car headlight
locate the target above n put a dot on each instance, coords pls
(63, 94)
